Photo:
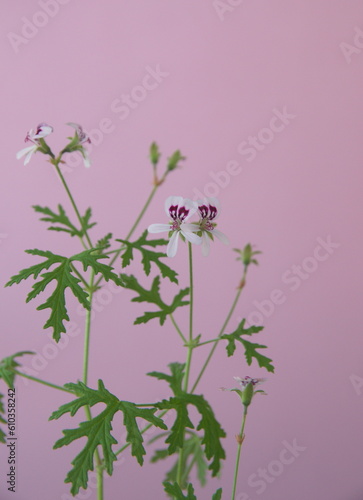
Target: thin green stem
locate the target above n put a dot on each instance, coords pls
(40, 381)
(191, 305)
(99, 482)
(130, 233)
(208, 342)
(189, 354)
(87, 330)
(240, 439)
(178, 329)
(56, 164)
(229, 315)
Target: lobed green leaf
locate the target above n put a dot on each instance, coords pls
(62, 221)
(152, 296)
(250, 348)
(98, 430)
(148, 256)
(63, 275)
(7, 367)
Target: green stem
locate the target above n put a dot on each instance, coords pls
(56, 164)
(99, 472)
(87, 330)
(191, 293)
(130, 233)
(189, 354)
(87, 335)
(40, 381)
(240, 439)
(208, 342)
(177, 328)
(229, 315)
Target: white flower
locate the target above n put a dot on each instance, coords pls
(209, 211)
(179, 209)
(41, 131)
(82, 138)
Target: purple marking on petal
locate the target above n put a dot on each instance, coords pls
(173, 211)
(212, 212)
(183, 213)
(203, 210)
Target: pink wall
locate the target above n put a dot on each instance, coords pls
(224, 77)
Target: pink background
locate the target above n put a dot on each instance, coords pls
(224, 75)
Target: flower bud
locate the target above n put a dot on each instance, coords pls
(174, 160)
(247, 394)
(154, 154)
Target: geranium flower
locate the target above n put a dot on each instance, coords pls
(209, 211)
(179, 209)
(247, 390)
(76, 144)
(42, 130)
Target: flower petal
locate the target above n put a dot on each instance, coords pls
(25, 151)
(173, 245)
(86, 158)
(29, 151)
(43, 129)
(172, 201)
(205, 244)
(222, 237)
(209, 208)
(192, 237)
(158, 228)
(190, 206)
(189, 226)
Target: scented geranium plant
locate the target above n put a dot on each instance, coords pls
(194, 439)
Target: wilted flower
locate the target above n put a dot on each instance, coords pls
(209, 211)
(179, 209)
(42, 130)
(77, 143)
(247, 390)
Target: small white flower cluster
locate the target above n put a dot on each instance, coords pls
(180, 209)
(42, 131)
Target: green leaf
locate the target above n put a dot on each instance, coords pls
(217, 495)
(2, 421)
(104, 242)
(175, 379)
(98, 430)
(175, 491)
(7, 367)
(63, 223)
(192, 456)
(153, 297)
(250, 348)
(148, 256)
(212, 431)
(63, 275)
